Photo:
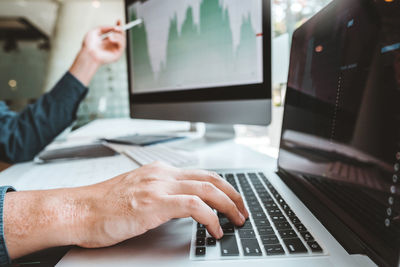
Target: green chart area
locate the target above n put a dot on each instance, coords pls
(198, 55)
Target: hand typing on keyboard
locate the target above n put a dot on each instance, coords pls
(118, 209)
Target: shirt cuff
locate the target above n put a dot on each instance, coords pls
(4, 257)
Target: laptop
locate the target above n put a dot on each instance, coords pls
(334, 198)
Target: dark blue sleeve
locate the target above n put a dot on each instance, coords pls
(4, 257)
(23, 135)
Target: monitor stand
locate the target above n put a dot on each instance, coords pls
(207, 134)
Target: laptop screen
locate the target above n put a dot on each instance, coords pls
(341, 129)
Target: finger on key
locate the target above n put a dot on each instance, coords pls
(183, 206)
(215, 179)
(213, 196)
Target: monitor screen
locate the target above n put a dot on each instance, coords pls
(199, 50)
(341, 129)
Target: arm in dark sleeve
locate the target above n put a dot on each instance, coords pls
(25, 134)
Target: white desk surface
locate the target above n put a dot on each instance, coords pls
(30, 176)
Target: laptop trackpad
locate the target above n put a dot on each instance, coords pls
(169, 242)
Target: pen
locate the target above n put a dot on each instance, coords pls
(126, 27)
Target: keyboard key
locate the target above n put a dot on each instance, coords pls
(246, 233)
(294, 245)
(248, 193)
(229, 246)
(315, 247)
(287, 234)
(241, 176)
(231, 180)
(200, 251)
(251, 198)
(253, 203)
(252, 176)
(258, 215)
(276, 249)
(294, 220)
(229, 176)
(262, 222)
(264, 196)
(227, 227)
(251, 247)
(281, 201)
(200, 242)
(247, 225)
(223, 221)
(300, 227)
(255, 209)
(262, 175)
(269, 240)
(307, 236)
(266, 230)
(201, 233)
(211, 241)
(277, 219)
(269, 205)
(283, 226)
(273, 212)
(290, 213)
(228, 231)
(200, 226)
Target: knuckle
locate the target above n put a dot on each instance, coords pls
(207, 187)
(213, 175)
(155, 165)
(146, 195)
(194, 202)
(159, 166)
(237, 197)
(150, 180)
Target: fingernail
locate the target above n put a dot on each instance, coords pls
(220, 233)
(242, 218)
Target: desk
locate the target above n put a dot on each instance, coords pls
(30, 176)
(238, 153)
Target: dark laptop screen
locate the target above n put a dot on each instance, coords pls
(341, 128)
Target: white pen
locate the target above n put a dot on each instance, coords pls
(126, 27)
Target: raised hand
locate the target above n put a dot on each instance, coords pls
(97, 51)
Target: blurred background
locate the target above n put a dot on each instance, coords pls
(40, 38)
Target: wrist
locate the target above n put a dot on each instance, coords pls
(85, 218)
(85, 66)
(36, 220)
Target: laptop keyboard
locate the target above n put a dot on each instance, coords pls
(273, 229)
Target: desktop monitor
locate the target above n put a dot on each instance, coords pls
(200, 60)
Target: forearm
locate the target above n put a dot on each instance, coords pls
(36, 220)
(25, 134)
(84, 66)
